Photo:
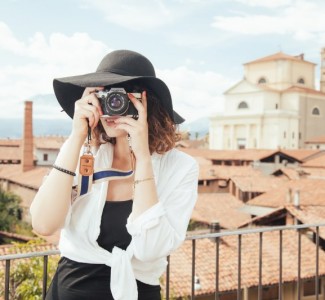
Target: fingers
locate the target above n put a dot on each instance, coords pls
(88, 107)
(141, 106)
(90, 90)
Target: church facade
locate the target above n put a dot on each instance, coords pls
(276, 105)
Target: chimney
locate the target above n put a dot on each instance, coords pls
(214, 227)
(322, 71)
(27, 142)
(296, 199)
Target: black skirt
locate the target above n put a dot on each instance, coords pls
(81, 281)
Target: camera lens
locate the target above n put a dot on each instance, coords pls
(117, 103)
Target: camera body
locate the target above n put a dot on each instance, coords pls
(115, 102)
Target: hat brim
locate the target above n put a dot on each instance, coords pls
(69, 89)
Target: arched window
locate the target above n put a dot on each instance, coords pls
(301, 80)
(242, 105)
(315, 111)
(262, 80)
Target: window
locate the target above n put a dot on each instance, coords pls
(284, 134)
(242, 105)
(293, 135)
(262, 80)
(299, 135)
(301, 80)
(241, 143)
(316, 111)
(45, 157)
(310, 288)
(276, 106)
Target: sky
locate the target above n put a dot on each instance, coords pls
(198, 47)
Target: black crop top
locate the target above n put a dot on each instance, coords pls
(78, 281)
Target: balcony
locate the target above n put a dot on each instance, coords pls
(283, 262)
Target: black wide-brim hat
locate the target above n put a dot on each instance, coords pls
(119, 66)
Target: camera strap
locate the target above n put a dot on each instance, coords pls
(86, 165)
(86, 169)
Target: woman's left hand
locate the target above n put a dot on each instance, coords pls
(137, 129)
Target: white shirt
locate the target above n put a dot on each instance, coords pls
(155, 233)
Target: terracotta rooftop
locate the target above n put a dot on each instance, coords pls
(280, 56)
(49, 142)
(211, 172)
(221, 207)
(312, 192)
(43, 142)
(10, 153)
(314, 172)
(301, 154)
(32, 178)
(290, 173)
(260, 183)
(309, 214)
(190, 143)
(317, 162)
(316, 140)
(180, 262)
(25, 248)
(242, 155)
(301, 89)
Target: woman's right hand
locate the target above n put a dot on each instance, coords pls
(87, 110)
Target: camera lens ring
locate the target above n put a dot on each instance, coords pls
(116, 103)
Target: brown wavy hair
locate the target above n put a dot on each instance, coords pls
(162, 130)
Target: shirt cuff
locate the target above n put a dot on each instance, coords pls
(148, 219)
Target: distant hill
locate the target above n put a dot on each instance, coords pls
(13, 128)
(54, 124)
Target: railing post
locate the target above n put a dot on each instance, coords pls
(45, 264)
(217, 268)
(280, 264)
(167, 277)
(317, 264)
(260, 261)
(7, 279)
(193, 270)
(239, 269)
(299, 266)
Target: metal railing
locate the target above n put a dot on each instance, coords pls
(193, 239)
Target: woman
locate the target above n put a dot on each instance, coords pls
(132, 208)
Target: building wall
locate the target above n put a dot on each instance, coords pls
(51, 153)
(27, 195)
(281, 74)
(272, 119)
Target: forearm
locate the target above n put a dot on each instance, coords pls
(52, 201)
(145, 193)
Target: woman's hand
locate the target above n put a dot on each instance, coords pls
(137, 129)
(87, 111)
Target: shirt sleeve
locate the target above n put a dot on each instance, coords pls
(162, 228)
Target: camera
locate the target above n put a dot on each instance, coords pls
(115, 102)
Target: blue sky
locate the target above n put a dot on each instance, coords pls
(197, 46)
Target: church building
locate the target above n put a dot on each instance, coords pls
(276, 105)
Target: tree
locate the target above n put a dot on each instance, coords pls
(10, 211)
(26, 275)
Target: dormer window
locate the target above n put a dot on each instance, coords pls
(315, 111)
(301, 80)
(243, 105)
(262, 80)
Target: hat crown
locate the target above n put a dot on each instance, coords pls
(127, 63)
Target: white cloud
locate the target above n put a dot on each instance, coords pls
(302, 19)
(134, 15)
(195, 94)
(46, 58)
(266, 3)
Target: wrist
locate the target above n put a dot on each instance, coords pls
(76, 139)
